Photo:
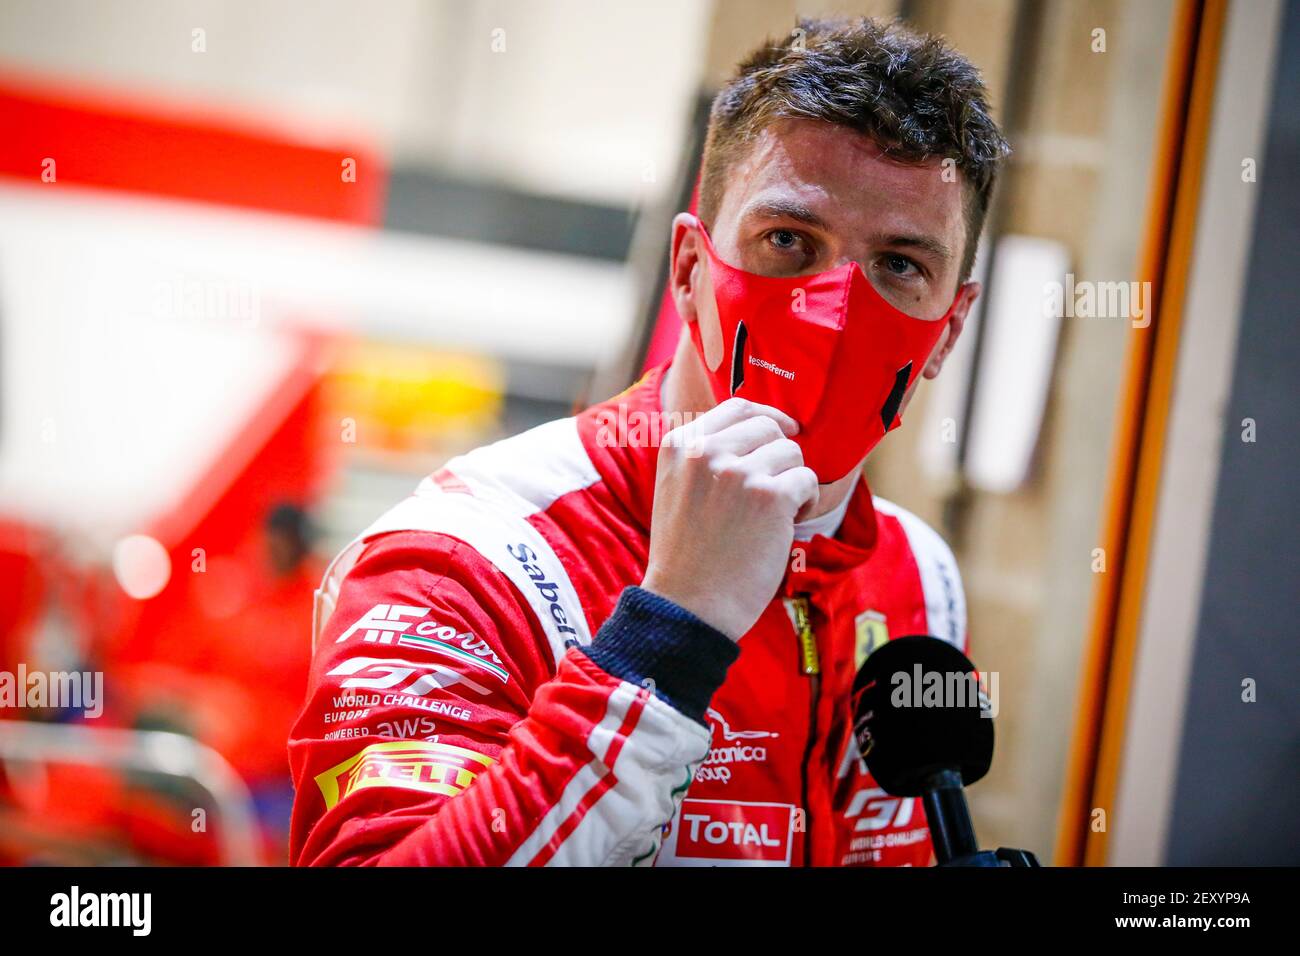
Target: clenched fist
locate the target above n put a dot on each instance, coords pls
(729, 487)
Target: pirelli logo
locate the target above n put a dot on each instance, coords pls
(409, 764)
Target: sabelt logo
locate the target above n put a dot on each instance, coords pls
(546, 588)
(720, 831)
(407, 764)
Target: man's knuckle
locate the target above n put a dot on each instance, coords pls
(725, 467)
(760, 488)
(707, 448)
(788, 492)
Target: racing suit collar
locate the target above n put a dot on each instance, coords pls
(621, 436)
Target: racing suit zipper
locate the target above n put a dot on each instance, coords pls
(809, 662)
(810, 667)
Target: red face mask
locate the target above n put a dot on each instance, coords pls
(826, 349)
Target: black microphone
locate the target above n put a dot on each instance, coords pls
(923, 727)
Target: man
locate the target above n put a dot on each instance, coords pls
(597, 644)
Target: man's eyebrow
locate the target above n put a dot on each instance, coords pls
(785, 209)
(782, 208)
(925, 243)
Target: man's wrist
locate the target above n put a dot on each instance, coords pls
(709, 610)
(652, 641)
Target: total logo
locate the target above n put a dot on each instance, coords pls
(729, 833)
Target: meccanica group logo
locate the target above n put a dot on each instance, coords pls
(409, 764)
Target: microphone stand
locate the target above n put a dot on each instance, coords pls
(952, 832)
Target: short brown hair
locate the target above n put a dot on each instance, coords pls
(913, 94)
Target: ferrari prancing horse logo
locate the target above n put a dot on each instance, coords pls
(870, 631)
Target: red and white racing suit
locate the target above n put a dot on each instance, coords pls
(488, 685)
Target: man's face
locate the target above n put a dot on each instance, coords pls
(811, 196)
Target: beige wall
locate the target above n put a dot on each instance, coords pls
(1079, 176)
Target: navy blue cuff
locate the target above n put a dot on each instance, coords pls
(648, 637)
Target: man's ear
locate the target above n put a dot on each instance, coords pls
(685, 265)
(966, 297)
(692, 285)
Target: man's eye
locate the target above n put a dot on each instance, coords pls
(784, 239)
(900, 265)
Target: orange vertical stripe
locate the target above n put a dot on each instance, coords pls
(1092, 773)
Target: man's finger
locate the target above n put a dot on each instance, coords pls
(735, 410)
(775, 457)
(745, 436)
(801, 484)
